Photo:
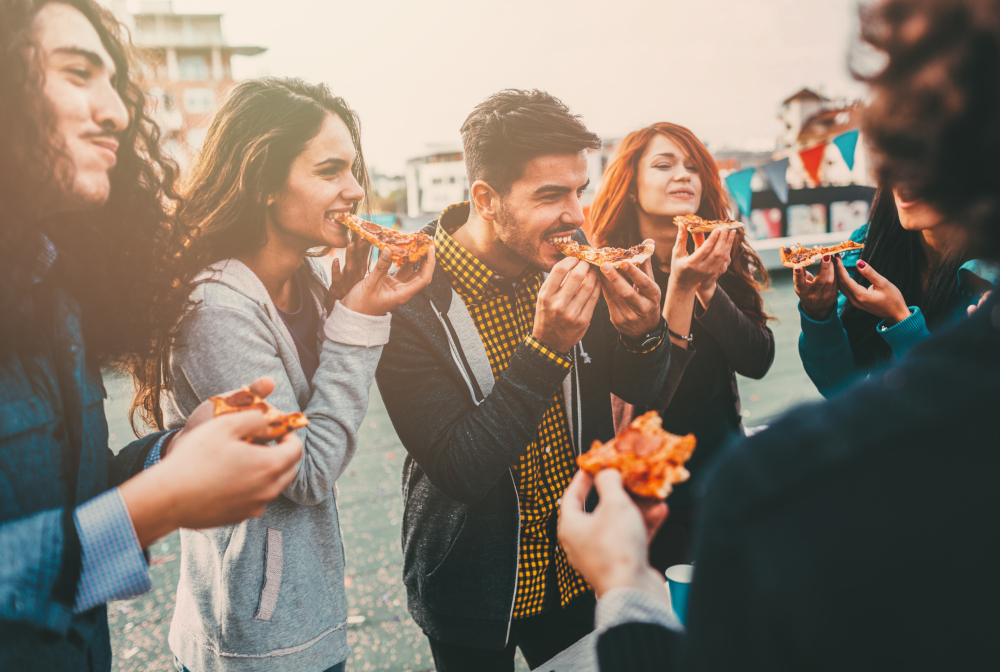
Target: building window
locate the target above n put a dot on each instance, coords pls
(198, 100)
(193, 68)
(436, 180)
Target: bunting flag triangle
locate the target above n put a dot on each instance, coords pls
(777, 173)
(739, 187)
(846, 143)
(812, 159)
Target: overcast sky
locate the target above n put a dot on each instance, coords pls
(414, 69)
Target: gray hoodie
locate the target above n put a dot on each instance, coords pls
(268, 594)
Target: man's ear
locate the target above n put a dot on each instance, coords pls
(485, 199)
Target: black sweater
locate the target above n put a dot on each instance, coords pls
(461, 519)
(700, 395)
(859, 533)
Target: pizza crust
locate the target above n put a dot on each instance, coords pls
(650, 460)
(615, 256)
(278, 423)
(405, 248)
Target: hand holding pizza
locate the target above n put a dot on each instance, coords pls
(703, 267)
(633, 297)
(882, 298)
(609, 546)
(379, 292)
(565, 304)
(818, 293)
(355, 266)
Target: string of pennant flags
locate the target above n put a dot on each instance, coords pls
(776, 172)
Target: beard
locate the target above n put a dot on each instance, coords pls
(512, 233)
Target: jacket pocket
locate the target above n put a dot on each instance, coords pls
(273, 562)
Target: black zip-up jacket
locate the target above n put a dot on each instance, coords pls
(463, 432)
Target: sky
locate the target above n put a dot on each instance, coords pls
(413, 70)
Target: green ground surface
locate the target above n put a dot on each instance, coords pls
(370, 513)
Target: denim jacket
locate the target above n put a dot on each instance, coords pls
(51, 406)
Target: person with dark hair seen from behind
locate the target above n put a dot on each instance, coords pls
(711, 301)
(496, 376)
(282, 158)
(858, 323)
(86, 278)
(857, 533)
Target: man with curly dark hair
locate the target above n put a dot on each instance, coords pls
(859, 533)
(87, 248)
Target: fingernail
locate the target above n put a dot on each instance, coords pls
(826, 258)
(797, 271)
(861, 264)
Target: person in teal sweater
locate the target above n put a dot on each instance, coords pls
(857, 323)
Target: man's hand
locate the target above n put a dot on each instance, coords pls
(610, 545)
(211, 477)
(380, 292)
(355, 266)
(882, 298)
(818, 294)
(565, 304)
(634, 303)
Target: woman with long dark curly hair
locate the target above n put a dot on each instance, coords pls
(87, 276)
(711, 294)
(856, 323)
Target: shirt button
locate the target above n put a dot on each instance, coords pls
(548, 449)
(74, 348)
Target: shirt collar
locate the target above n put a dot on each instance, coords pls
(470, 276)
(982, 269)
(46, 258)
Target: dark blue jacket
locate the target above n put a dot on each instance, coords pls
(52, 424)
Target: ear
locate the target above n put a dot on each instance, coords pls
(269, 201)
(485, 199)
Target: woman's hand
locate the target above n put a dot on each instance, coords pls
(355, 267)
(882, 298)
(699, 270)
(379, 292)
(818, 293)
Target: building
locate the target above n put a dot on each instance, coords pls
(188, 71)
(435, 180)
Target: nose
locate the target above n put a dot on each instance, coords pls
(108, 109)
(353, 192)
(575, 212)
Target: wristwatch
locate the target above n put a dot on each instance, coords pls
(647, 340)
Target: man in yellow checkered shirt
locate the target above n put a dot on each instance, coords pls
(497, 376)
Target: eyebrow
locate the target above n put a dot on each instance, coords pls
(559, 189)
(333, 161)
(666, 155)
(92, 56)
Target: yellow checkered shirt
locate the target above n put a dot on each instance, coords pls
(504, 314)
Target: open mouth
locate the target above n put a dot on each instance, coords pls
(685, 193)
(331, 215)
(560, 238)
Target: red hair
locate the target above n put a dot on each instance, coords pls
(614, 218)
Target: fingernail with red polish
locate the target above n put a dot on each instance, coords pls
(797, 271)
(826, 258)
(861, 264)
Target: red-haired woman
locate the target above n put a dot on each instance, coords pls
(712, 303)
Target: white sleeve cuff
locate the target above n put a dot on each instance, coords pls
(631, 605)
(351, 328)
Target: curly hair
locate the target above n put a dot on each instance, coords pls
(934, 120)
(120, 261)
(614, 219)
(256, 134)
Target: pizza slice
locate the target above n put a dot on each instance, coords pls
(798, 256)
(700, 227)
(598, 255)
(405, 248)
(278, 423)
(650, 460)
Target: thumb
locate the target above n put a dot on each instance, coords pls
(609, 487)
(262, 386)
(680, 245)
(382, 266)
(239, 425)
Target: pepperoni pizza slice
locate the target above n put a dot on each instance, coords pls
(598, 255)
(798, 256)
(700, 227)
(278, 423)
(405, 248)
(650, 460)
